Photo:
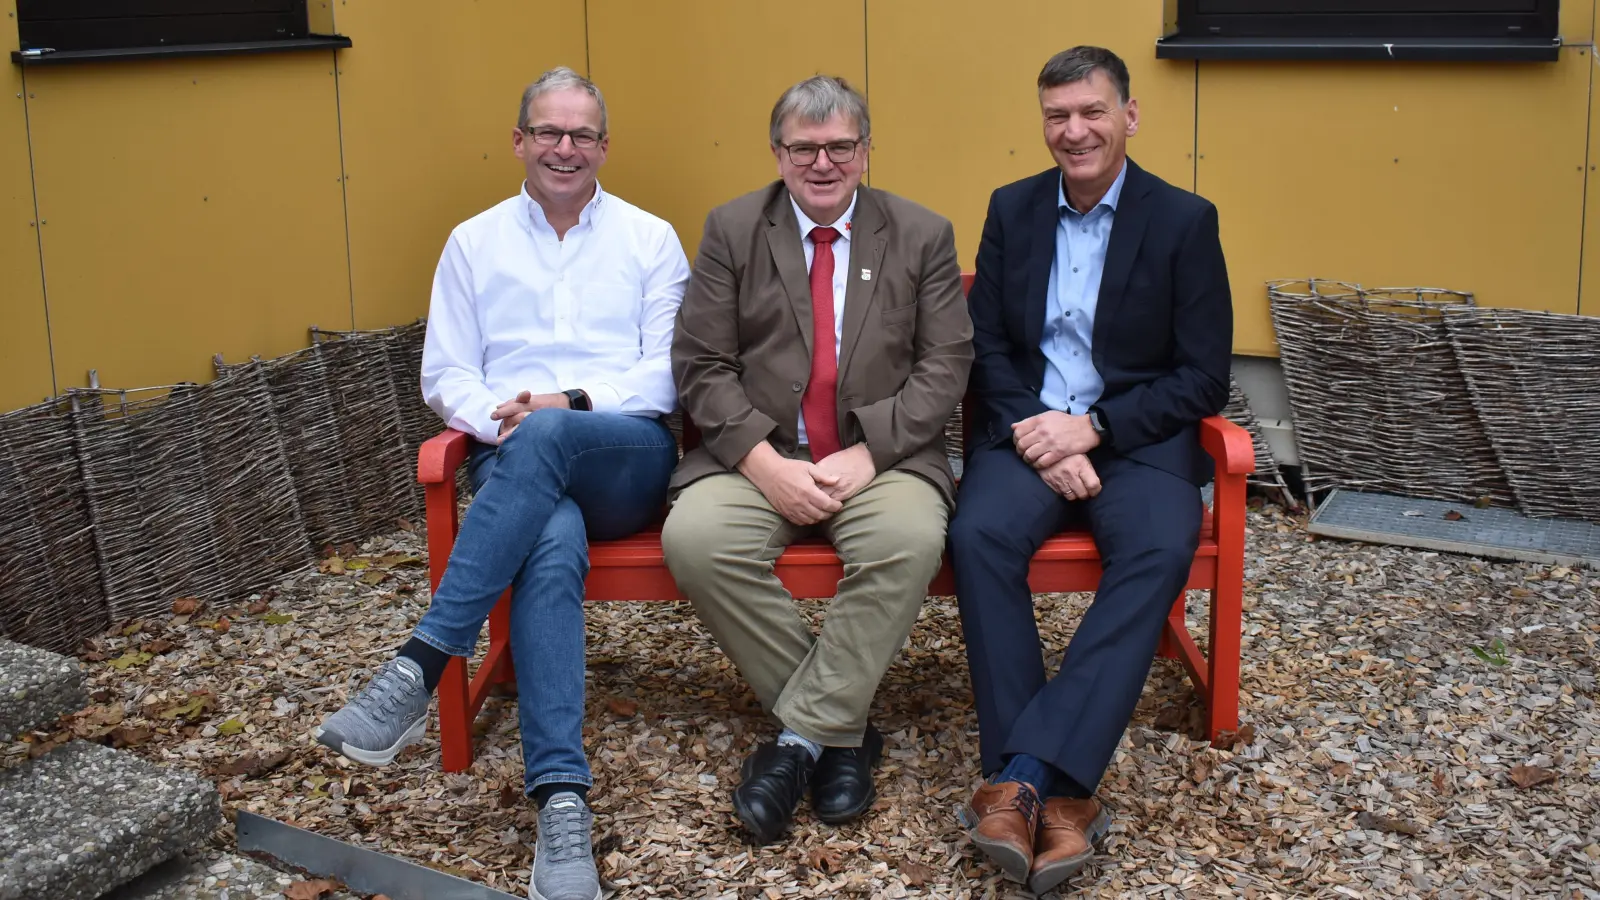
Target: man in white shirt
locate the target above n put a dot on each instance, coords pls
(549, 339)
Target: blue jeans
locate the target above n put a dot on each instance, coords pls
(561, 478)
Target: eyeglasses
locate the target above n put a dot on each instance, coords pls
(582, 138)
(806, 154)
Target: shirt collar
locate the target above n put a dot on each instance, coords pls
(842, 225)
(586, 215)
(1113, 195)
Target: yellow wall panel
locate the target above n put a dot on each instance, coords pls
(1577, 21)
(188, 207)
(1459, 176)
(428, 101)
(25, 364)
(1589, 300)
(956, 111)
(691, 84)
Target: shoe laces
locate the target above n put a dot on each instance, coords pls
(388, 688)
(564, 832)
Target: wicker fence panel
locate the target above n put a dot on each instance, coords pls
(1379, 401)
(301, 401)
(1535, 380)
(50, 590)
(1238, 412)
(189, 492)
(379, 467)
(401, 350)
(260, 531)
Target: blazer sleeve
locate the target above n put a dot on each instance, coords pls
(996, 383)
(705, 355)
(898, 426)
(1202, 331)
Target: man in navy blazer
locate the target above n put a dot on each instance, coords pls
(1103, 333)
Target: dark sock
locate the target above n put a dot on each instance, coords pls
(543, 792)
(1030, 770)
(429, 658)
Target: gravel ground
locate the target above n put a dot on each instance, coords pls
(1386, 755)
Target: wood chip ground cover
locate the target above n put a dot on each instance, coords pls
(1417, 724)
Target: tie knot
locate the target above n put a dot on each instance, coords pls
(823, 235)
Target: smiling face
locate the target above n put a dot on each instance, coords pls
(561, 174)
(1086, 127)
(825, 187)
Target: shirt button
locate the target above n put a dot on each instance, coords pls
(1074, 269)
(797, 387)
(1069, 312)
(1073, 397)
(1074, 353)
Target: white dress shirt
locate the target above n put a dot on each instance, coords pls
(841, 262)
(515, 308)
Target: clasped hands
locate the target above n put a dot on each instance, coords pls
(511, 413)
(1056, 445)
(804, 492)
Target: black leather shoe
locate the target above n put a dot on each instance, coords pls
(774, 779)
(842, 787)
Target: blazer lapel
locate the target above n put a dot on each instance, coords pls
(866, 254)
(1045, 215)
(783, 238)
(1127, 232)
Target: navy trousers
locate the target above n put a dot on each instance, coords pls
(1146, 524)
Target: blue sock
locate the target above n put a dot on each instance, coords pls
(789, 737)
(1031, 770)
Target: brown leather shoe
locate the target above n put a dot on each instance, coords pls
(1067, 837)
(1002, 819)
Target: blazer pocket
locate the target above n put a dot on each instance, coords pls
(899, 315)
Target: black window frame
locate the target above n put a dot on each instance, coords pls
(1363, 29)
(56, 31)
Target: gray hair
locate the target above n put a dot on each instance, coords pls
(816, 100)
(560, 78)
(1070, 66)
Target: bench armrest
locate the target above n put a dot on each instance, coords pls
(1229, 445)
(441, 455)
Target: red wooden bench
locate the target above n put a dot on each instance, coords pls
(633, 569)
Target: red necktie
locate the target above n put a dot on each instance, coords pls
(820, 404)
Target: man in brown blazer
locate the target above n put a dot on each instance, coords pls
(822, 344)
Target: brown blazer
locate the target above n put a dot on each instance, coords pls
(741, 352)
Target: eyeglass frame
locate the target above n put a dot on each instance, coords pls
(563, 133)
(854, 143)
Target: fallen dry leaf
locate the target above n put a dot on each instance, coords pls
(258, 607)
(185, 606)
(1453, 516)
(310, 890)
(253, 764)
(126, 736)
(157, 647)
(333, 565)
(222, 625)
(623, 708)
(1375, 822)
(1530, 776)
(825, 859)
(509, 796)
(916, 874)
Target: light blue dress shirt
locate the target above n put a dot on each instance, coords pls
(1071, 382)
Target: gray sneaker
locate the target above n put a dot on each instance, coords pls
(390, 713)
(563, 860)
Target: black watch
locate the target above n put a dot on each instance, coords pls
(578, 400)
(1097, 421)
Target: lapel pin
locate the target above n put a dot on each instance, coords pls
(866, 274)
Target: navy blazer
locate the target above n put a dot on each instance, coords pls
(1163, 328)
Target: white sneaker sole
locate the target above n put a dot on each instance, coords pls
(386, 755)
(533, 892)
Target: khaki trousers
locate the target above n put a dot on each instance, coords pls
(721, 539)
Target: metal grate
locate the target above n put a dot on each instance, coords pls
(1434, 524)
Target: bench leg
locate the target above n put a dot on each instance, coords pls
(500, 634)
(1222, 685)
(455, 717)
